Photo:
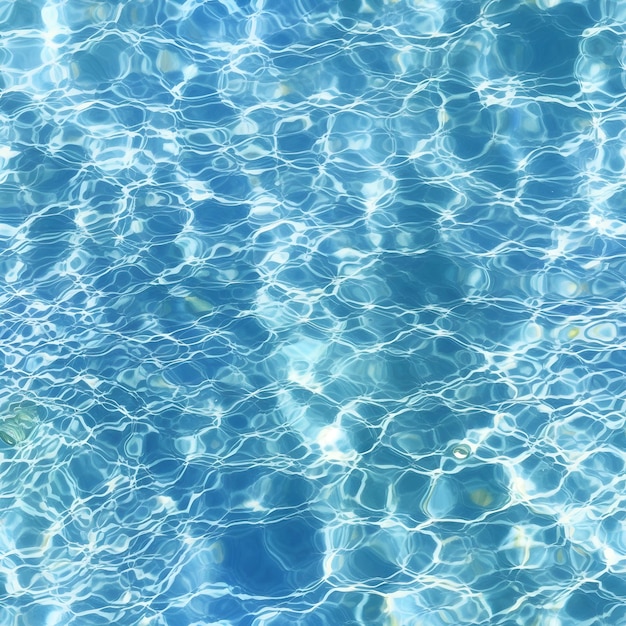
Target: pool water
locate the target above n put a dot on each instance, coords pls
(312, 313)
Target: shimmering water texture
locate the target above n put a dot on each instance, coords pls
(312, 313)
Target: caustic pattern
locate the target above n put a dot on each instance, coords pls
(312, 312)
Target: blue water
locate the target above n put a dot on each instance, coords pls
(312, 312)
